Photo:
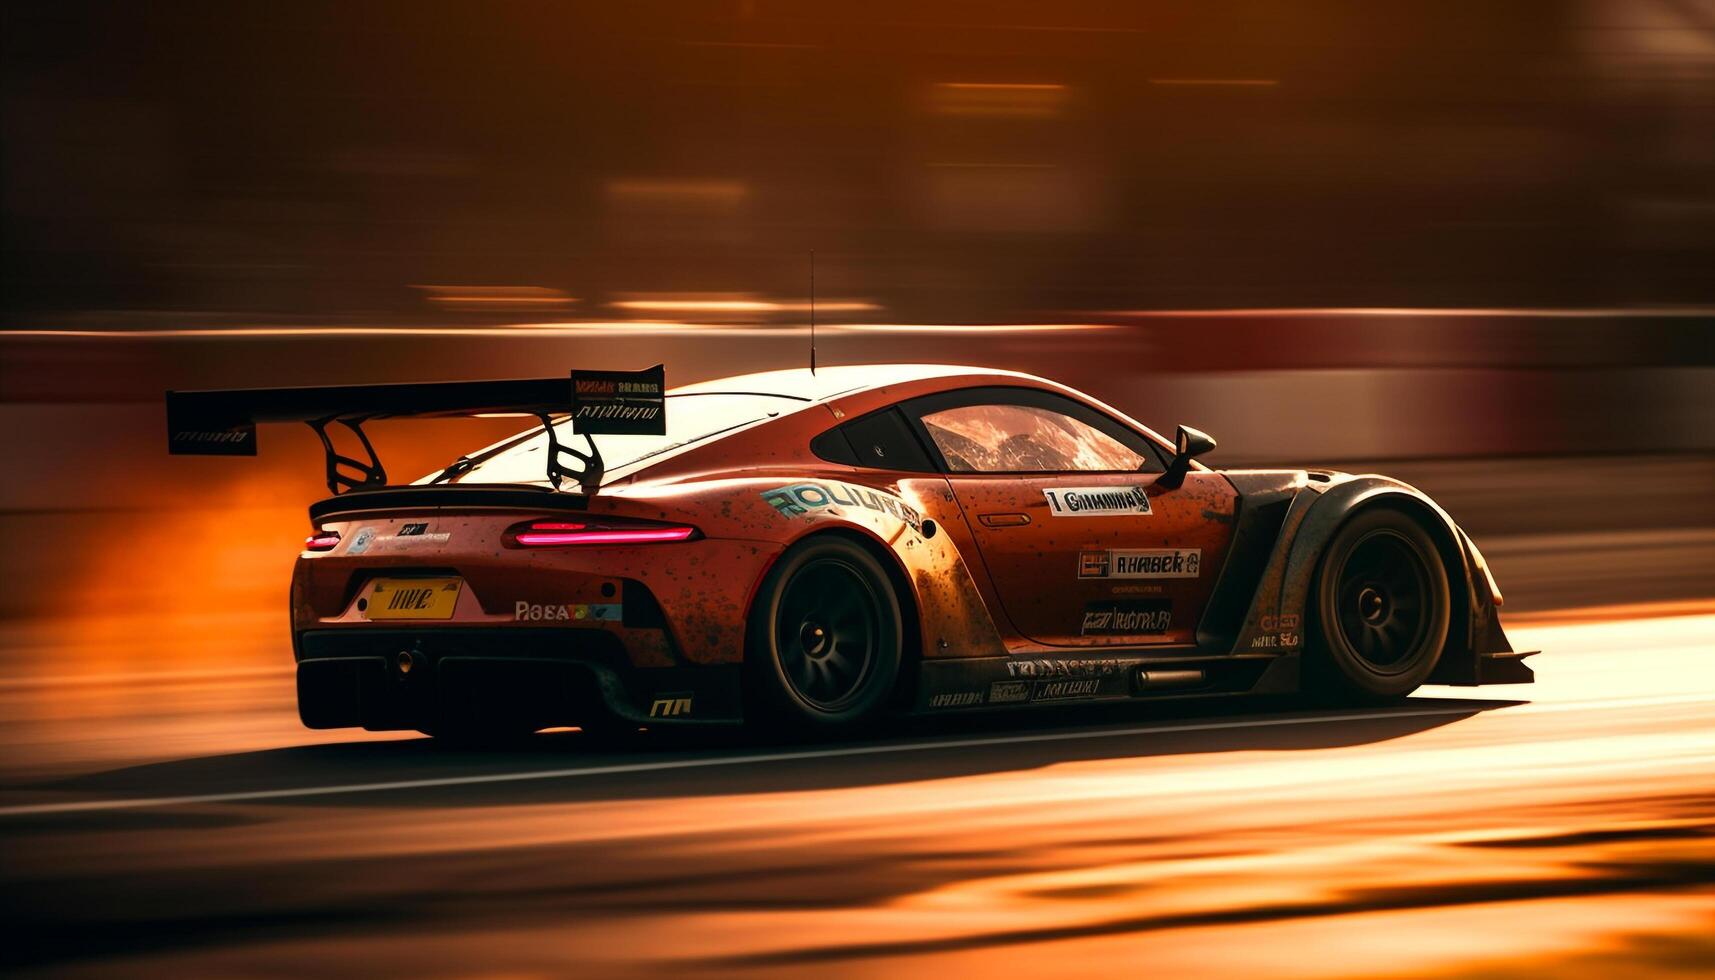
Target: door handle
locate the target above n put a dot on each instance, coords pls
(1004, 520)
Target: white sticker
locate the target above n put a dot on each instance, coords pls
(360, 543)
(1096, 501)
(1147, 563)
(533, 611)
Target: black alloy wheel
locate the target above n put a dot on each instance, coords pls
(1382, 591)
(828, 632)
(825, 638)
(1382, 608)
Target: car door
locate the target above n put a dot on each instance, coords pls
(1083, 544)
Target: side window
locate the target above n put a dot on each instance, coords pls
(1031, 432)
(884, 441)
(880, 440)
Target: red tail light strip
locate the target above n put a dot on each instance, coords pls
(549, 534)
(322, 541)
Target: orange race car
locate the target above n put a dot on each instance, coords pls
(814, 550)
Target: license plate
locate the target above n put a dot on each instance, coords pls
(414, 598)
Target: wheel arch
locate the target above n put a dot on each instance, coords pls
(1344, 501)
(910, 617)
(911, 620)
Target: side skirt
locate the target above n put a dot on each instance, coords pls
(966, 683)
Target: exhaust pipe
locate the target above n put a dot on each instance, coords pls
(1156, 679)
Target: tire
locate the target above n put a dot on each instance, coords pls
(1382, 609)
(824, 640)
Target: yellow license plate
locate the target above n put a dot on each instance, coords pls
(413, 598)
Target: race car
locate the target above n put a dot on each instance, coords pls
(817, 549)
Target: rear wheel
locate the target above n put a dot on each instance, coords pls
(824, 639)
(1382, 609)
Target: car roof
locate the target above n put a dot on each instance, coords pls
(841, 380)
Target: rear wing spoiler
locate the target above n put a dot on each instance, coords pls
(223, 422)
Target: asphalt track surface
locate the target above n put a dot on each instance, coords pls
(183, 824)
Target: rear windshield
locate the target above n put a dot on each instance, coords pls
(691, 418)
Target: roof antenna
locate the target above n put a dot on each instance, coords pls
(812, 312)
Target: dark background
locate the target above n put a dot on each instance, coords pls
(948, 161)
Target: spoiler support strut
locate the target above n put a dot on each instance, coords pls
(370, 474)
(588, 475)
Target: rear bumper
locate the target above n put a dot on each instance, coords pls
(526, 678)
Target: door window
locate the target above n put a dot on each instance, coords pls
(1012, 438)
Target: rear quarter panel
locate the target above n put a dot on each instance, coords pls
(903, 515)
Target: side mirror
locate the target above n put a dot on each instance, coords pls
(1188, 444)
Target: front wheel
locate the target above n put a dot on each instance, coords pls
(1382, 609)
(824, 640)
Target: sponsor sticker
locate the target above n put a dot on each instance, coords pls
(1127, 617)
(360, 541)
(1096, 501)
(237, 441)
(620, 402)
(802, 498)
(1084, 687)
(1054, 689)
(415, 529)
(1278, 632)
(1092, 564)
(956, 699)
(671, 706)
(533, 612)
(1087, 667)
(1146, 563)
(1057, 680)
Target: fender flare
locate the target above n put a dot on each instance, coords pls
(1277, 617)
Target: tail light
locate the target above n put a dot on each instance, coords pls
(321, 541)
(610, 531)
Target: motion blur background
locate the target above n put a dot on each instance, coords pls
(1471, 243)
